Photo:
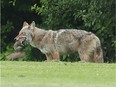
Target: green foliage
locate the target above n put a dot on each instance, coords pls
(5, 34)
(70, 57)
(9, 50)
(33, 54)
(96, 16)
(37, 9)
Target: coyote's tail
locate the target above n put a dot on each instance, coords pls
(94, 46)
(98, 55)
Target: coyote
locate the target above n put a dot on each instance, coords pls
(55, 43)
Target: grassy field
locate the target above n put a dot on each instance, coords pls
(57, 74)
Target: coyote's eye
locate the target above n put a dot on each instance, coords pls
(21, 35)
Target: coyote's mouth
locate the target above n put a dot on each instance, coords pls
(19, 44)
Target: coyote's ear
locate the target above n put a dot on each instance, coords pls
(25, 24)
(32, 25)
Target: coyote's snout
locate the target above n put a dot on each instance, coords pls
(53, 43)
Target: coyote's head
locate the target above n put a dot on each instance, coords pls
(25, 34)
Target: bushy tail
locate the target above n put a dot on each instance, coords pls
(94, 47)
(99, 54)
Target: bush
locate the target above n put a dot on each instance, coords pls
(6, 32)
(33, 54)
(96, 16)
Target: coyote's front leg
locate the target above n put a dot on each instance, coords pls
(49, 57)
(56, 56)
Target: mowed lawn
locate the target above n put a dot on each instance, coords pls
(57, 74)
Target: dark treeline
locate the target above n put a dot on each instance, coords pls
(97, 16)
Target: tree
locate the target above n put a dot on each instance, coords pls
(97, 16)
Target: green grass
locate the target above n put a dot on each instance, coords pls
(57, 74)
